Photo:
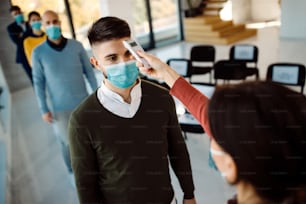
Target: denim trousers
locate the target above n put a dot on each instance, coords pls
(60, 127)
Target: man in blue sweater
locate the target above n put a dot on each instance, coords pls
(59, 66)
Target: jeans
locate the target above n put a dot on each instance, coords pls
(60, 127)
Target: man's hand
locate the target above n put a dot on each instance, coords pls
(189, 201)
(47, 117)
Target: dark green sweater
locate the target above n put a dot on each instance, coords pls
(125, 160)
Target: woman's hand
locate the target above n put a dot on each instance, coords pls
(159, 70)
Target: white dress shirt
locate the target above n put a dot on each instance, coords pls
(114, 103)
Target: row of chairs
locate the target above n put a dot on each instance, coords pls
(241, 64)
(202, 60)
(284, 73)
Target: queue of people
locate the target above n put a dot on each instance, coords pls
(119, 141)
(58, 68)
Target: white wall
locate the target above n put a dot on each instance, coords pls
(293, 19)
(119, 8)
(255, 10)
(241, 11)
(265, 10)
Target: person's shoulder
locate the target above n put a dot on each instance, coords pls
(40, 48)
(74, 42)
(153, 87)
(86, 107)
(11, 26)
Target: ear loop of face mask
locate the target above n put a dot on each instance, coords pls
(212, 163)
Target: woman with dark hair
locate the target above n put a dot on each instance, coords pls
(258, 134)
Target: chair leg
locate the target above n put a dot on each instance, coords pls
(185, 135)
(210, 77)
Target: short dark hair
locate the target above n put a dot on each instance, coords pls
(33, 13)
(15, 8)
(108, 28)
(262, 125)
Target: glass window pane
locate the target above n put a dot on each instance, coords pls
(165, 21)
(141, 25)
(84, 13)
(41, 6)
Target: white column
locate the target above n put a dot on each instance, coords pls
(120, 8)
(293, 19)
(241, 11)
(265, 10)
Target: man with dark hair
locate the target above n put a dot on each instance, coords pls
(18, 31)
(123, 136)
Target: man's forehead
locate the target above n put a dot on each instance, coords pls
(111, 47)
(50, 16)
(16, 12)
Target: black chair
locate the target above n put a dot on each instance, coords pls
(181, 65)
(248, 54)
(229, 70)
(202, 59)
(187, 122)
(291, 74)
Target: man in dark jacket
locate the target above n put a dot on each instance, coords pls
(18, 31)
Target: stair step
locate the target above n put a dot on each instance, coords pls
(224, 40)
(241, 35)
(230, 30)
(211, 13)
(216, 1)
(204, 32)
(217, 9)
(207, 27)
(200, 20)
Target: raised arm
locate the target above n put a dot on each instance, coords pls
(194, 101)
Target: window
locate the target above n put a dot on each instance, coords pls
(162, 16)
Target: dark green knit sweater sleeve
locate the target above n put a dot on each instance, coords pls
(178, 154)
(84, 162)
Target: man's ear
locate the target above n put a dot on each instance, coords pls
(94, 62)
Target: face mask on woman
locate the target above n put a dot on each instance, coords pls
(36, 25)
(122, 75)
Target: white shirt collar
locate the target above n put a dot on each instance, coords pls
(114, 103)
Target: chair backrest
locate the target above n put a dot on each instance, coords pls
(181, 65)
(207, 89)
(244, 53)
(229, 70)
(287, 73)
(203, 53)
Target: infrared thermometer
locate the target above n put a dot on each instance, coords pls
(133, 47)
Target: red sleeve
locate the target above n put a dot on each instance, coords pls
(195, 101)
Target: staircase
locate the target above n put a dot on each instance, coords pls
(209, 28)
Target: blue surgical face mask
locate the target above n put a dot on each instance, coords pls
(53, 32)
(36, 25)
(212, 163)
(19, 18)
(122, 75)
